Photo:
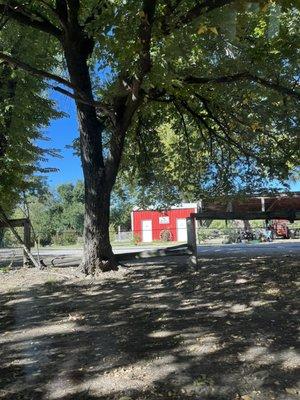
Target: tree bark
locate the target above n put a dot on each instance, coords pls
(98, 254)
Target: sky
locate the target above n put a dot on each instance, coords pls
(61, 133)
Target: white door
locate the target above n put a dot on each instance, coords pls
(181, 230)
(147, 231)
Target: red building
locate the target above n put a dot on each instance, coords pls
(149, 225)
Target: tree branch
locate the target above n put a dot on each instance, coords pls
(170, 9)
(195, 12)
(81, 97)
(203, 8)
(126, 104)
(185, 130)
(221, 126)
(221, 79)
(74, 6)
(61, 10)
(141, 143)
(25, 17)
(276, 86)
(34, 71)
(96, 11)
(49, 6)
(147, 20)
(240, 77)
(227, 139)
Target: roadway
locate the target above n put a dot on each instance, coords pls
(280, 247)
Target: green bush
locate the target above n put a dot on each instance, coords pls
(136, 239)
(44, 240)
(203, 235)
(66, 238)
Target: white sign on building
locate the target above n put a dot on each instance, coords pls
(164, 220)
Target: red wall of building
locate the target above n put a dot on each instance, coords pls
(173, 214)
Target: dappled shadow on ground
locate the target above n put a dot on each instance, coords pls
(223, 330)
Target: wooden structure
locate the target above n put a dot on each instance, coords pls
(26, 242)
(273, 202)
(279, 207)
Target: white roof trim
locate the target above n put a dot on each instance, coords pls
(177, 207)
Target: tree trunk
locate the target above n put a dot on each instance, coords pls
(98, 254)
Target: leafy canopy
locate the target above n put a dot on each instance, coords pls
(221, 116)
(219, 100)
(220, 112)
(25, 110)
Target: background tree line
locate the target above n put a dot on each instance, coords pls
(57, 215)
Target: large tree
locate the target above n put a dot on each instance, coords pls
(228, 66)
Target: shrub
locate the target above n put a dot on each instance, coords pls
(66, 238)
(136, 239)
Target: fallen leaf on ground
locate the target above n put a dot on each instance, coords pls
(76, 317)
(292, 390)
(246, 397)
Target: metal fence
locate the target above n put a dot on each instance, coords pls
(124, 236)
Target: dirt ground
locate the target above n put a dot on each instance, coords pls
(161, 329)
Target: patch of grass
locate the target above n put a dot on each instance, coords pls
(50, 283)
(203, 380)
(5, 269)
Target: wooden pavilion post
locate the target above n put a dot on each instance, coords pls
(27, 242)
(192, 239)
